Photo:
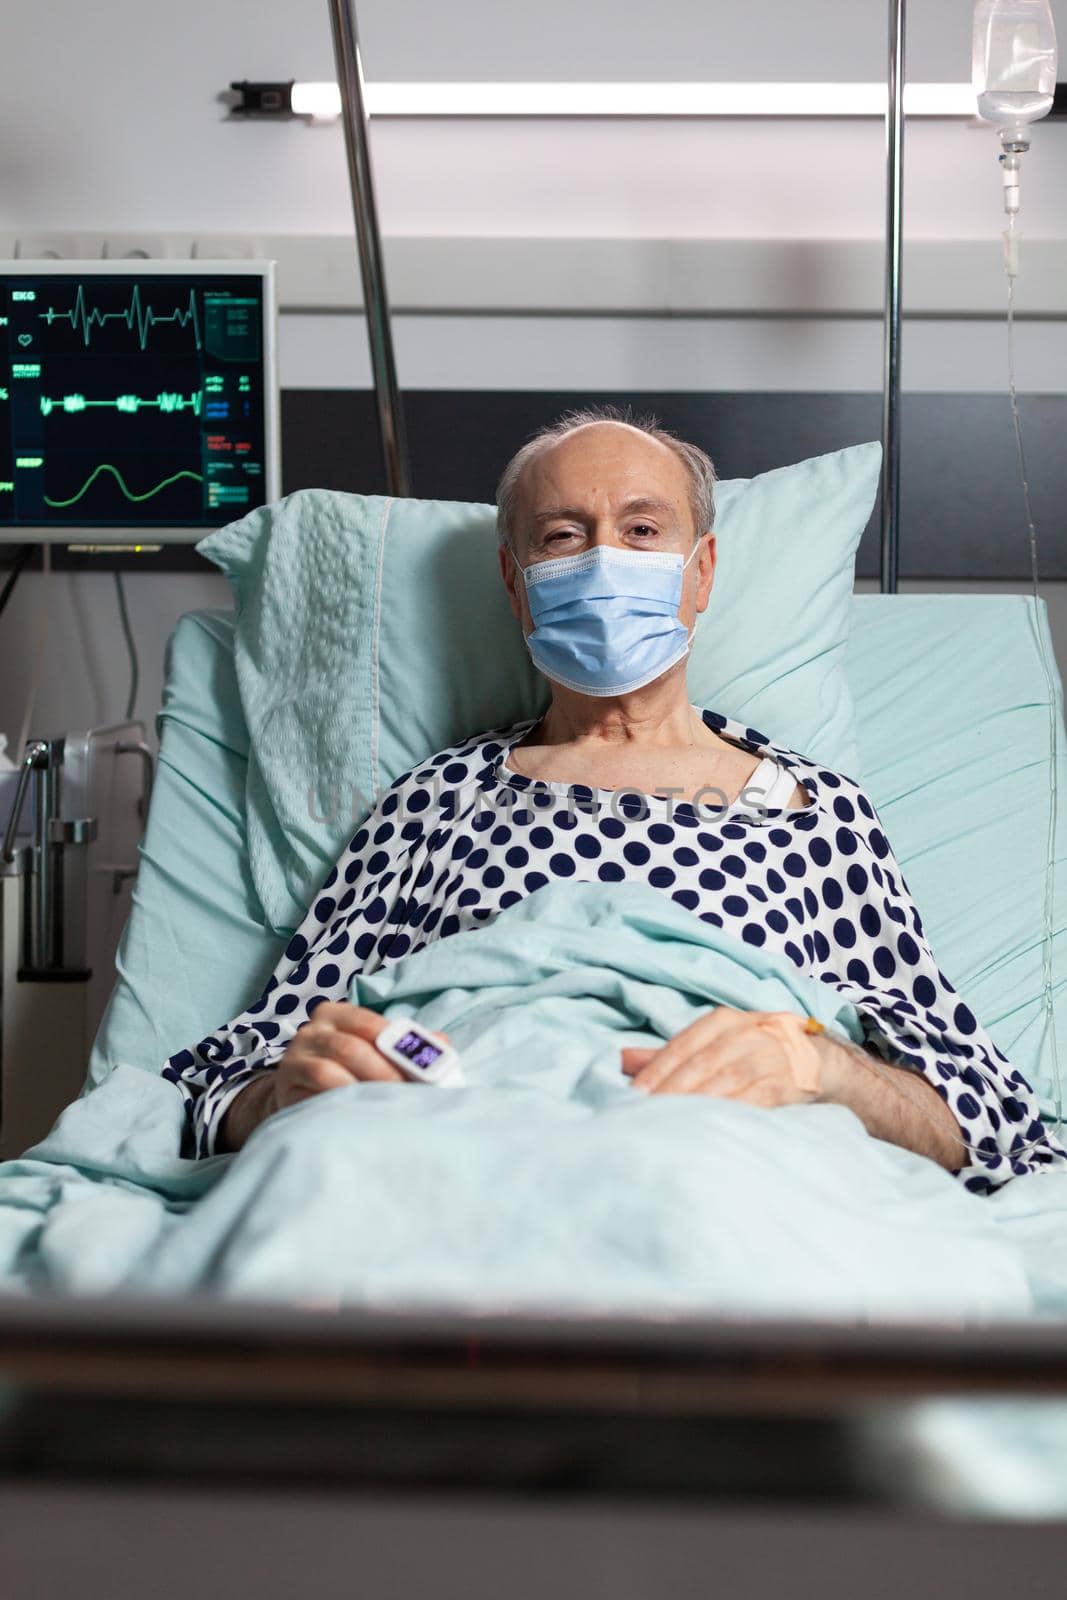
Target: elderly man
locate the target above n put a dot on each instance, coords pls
(608, 557)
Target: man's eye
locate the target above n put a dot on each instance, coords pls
(644, 527)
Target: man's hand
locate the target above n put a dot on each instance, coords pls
(725, 1054)
(333, 1049)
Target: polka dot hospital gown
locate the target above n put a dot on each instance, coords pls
(459, 839)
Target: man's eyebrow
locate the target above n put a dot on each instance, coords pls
(640, 503)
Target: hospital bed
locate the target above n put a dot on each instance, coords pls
(529, 1429)
(295, 1449)
(953, 731)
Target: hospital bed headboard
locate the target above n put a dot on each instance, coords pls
(952, 714)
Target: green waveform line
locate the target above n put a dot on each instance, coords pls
(130, 403)
(105, 466)
(144, 316)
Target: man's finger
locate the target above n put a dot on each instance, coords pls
(347, 1018)
(634, 1058)
(699, 1035)
(360, 1021)
(356, 1055)
(313, 1031)
(723, 1077)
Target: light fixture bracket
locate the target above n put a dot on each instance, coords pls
(263, 99)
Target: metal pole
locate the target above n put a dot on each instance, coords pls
(376, 305)
(891, 387)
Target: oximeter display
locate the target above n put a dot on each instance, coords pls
(417, 1049)
(420, 1056)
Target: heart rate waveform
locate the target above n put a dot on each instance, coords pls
(136, 314)
(105, 466)
(142, 395)
(130, 403)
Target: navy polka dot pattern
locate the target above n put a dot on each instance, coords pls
(818, 884)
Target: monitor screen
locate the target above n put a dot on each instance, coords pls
(138, 399)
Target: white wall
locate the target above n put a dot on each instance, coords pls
(119, 123)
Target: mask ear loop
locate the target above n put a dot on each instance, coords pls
(692, 553)
(510, 548)
(693, 630)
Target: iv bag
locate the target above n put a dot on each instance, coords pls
(1013, 63)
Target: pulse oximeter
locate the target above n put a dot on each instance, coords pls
(419, 1055)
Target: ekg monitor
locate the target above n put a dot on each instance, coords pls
(138, 399)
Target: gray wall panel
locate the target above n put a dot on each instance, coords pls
(961, 513)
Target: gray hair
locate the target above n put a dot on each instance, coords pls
(699, 466)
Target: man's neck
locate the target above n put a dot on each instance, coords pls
(658, 717)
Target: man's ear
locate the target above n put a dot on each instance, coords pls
(706, 571)
(510, 574)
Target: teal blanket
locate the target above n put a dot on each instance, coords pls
(547, 1183)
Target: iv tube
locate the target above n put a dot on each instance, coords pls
(1011, 269)
(1014, 64)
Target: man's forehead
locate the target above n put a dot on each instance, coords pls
(627, 463)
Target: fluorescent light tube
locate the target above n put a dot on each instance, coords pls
(638, 99)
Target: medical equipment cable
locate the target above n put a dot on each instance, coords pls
(40, 643)
(21, 557)
(1011, 267)
(131, 647)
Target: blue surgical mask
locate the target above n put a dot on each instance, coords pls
(606, 621)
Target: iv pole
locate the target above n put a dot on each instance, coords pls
(390, 413)
(372, 267)
(891, 384)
